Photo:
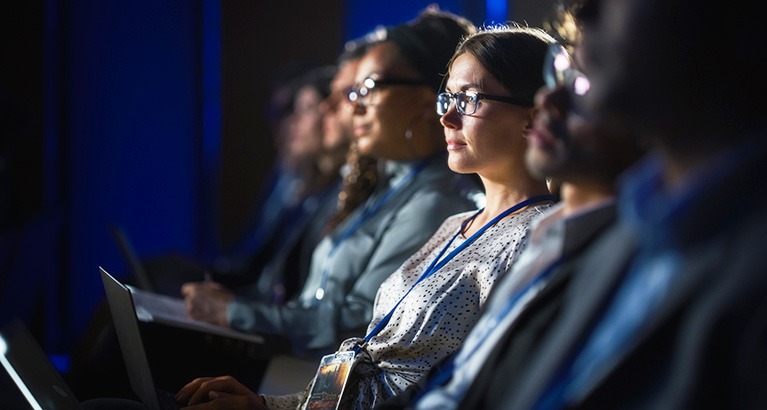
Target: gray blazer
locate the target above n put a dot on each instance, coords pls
(360, 262)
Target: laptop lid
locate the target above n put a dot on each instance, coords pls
(26, 364)
(131, 258)
(129, 335)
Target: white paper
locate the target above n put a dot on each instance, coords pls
(155, 307)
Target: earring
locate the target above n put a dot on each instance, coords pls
(408, 133)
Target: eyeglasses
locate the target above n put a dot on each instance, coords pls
(362, 93)
(559, 70)
(336, 98)
(467, 102)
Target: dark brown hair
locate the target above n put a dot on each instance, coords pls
(429, 41)
(513, 55)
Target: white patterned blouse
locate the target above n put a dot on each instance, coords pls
(433, 320)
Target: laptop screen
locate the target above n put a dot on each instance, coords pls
(129, 335)
(36, 378)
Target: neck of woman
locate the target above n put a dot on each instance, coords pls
(502, 197)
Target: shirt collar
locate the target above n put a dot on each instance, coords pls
(574, 229)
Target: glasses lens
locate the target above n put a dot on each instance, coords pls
(467, 103)
(443, 103)
(358, 95)
(580, 83)
(559, 71)
(557, 64)
(353, 96)
(562, 67)
(578, 86)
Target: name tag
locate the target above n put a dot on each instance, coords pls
(330, 381)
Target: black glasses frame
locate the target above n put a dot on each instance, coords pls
(443, 106)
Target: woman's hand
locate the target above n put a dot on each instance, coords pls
(207, 301)
(219, 393)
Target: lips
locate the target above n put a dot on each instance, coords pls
(454, 144)
(361, 130)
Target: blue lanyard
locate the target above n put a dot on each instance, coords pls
(439, 262)
(446, 371)
(361, 219)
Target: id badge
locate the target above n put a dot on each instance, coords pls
(330, 381)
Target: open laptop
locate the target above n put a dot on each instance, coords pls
(25, 363)
(150, 307)
(128, 333)
(130, 307)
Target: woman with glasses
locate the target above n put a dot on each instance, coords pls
(415, 192)
(425, 308)
(587, 155)
(395, 123)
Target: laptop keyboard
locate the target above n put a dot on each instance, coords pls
(167, 400)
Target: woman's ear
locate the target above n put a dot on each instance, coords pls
(529, 121)
(531, 114)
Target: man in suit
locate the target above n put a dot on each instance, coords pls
(668, 309)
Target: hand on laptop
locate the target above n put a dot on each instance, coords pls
(206, 301)
(219, 393)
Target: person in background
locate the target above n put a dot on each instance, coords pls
(303, 186)
(297, 189)
(359, 172)
(209, 298)
(424, 309)
(288, 265)
(303, 202)
(286, 270)
(668, 309)
(416, 191)
(586, 156)
(360, 178)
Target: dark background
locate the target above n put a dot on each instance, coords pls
(150, 115)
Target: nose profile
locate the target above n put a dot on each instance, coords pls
(451, 118)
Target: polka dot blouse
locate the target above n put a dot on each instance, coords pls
(433, 320)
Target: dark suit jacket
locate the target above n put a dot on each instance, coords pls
(706, 347)
(503, 370)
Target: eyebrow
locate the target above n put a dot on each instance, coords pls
(465, 87)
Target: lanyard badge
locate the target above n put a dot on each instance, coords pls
(330, 381)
